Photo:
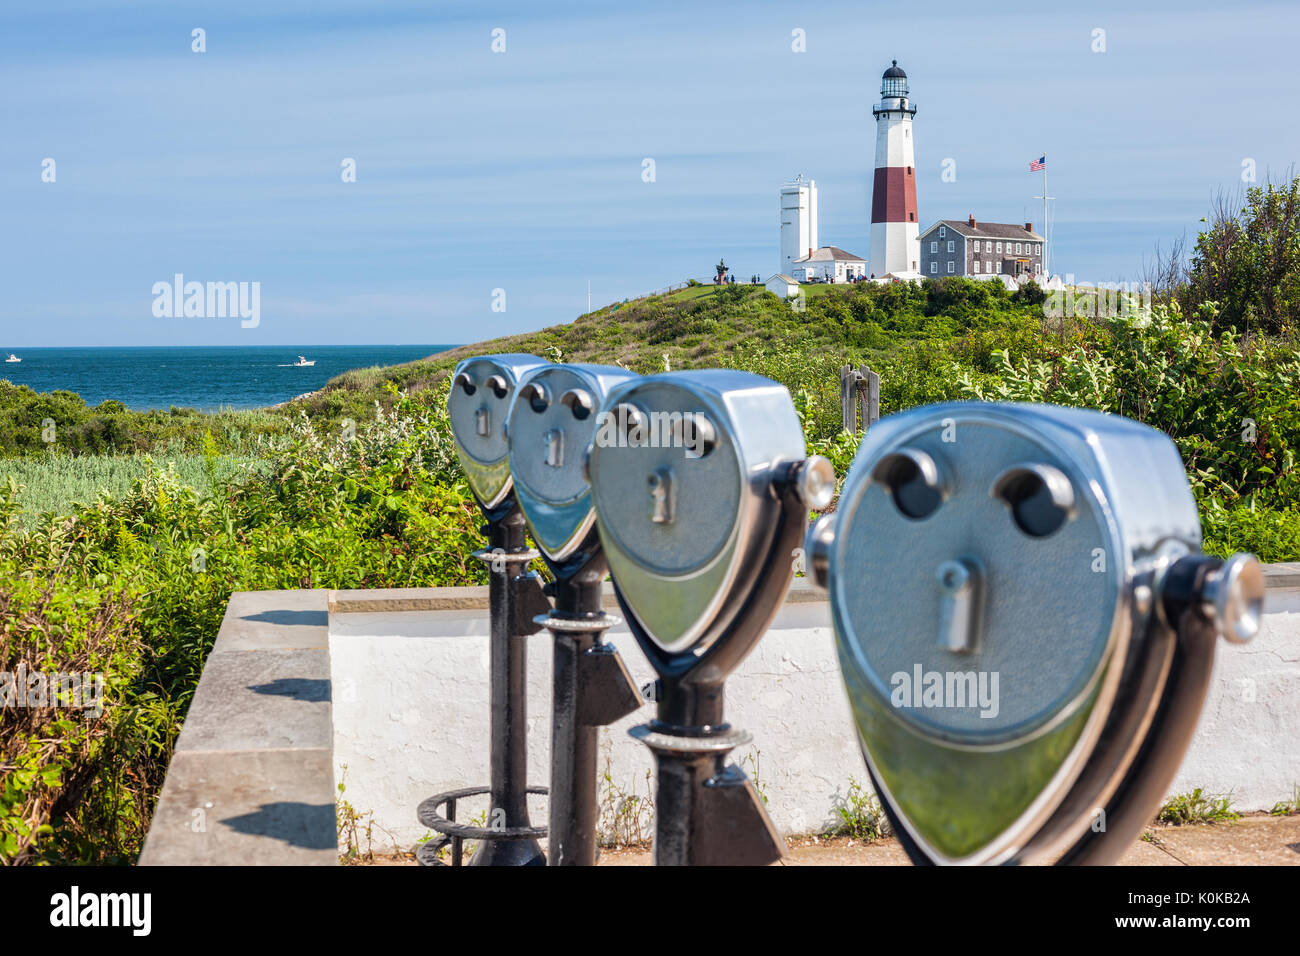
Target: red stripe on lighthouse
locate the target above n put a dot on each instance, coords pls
(893, 196)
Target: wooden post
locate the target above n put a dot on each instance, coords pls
(859, 391)
(848, 400)
(869, 396)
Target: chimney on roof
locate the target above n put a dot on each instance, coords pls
(1029, 227)
(810, 252)
(971, 221)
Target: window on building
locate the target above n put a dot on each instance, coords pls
(999, 247)
(1017, 248)
(934, 267)
(975, 267)
(950, 245)
(934, 247)
(988, 246)
(999, 265)
(943, 231)
(951, 266)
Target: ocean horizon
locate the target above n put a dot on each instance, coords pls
(206, 378)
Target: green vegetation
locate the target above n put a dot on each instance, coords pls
(356, 829)
(861, 816)
(626, 818)
(133, 587)
(54, 483)
(1196, 807)
(61, 422)
(122, 534)
(1248, 259)
(1284, 808)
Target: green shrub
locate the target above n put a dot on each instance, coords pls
(137, 585)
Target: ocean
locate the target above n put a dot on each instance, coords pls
(202, 377)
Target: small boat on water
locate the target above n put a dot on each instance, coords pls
(302, 362)
(13, 358)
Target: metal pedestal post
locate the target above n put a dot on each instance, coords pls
(514, 598)
(707, 812)
(591, 688)
(512, 592)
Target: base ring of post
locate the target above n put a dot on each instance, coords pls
(454, 833)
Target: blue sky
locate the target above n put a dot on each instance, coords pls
(522, 170)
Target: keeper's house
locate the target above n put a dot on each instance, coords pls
(981, 250)
(828, 264)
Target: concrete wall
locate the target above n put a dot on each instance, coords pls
(411, 709)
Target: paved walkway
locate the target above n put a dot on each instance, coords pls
(1253, 840)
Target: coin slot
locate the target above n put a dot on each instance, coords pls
(662, 496)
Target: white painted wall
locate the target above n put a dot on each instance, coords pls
(411, 714)
(840, 269)
(894, 145)
(781, 287)
(895, 247)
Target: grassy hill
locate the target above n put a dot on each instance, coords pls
(1231, 404)
(889, 327)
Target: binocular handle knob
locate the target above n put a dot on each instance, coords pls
(1233, 598)
(817, 547)
(815, 482)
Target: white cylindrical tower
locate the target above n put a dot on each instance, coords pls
(798, 221)
(895, 233)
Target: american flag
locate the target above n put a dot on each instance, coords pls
(1037, 164)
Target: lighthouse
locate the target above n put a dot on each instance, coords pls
(895, 240)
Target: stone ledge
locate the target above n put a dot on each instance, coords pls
(382, 600)
(1285, 575)
(256, 807)
(252, 777)
(476, 598)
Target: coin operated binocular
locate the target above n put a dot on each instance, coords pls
(481, 392)
(702, 490)
(553, 418)
(1026, 626)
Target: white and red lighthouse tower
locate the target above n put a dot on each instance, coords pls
(895, 233)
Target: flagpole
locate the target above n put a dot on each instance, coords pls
(1046, 248)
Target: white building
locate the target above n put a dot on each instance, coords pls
(782, 286)
(895, 243)
(829, 264)
(798, 221)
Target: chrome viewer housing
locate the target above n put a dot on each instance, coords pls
(1046, 561)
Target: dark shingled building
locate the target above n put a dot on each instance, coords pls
(976, 249)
